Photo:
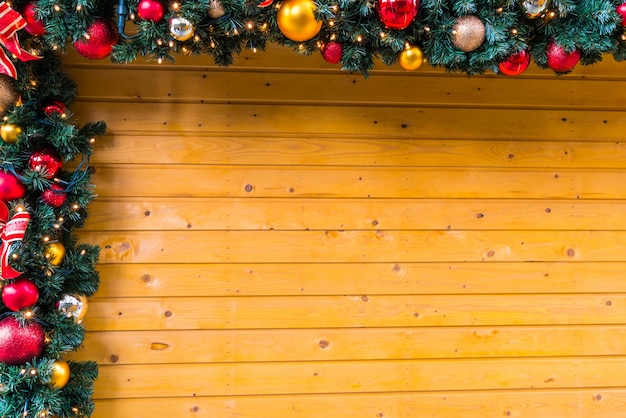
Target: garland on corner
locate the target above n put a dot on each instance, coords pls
(471, 36)
(46, 275)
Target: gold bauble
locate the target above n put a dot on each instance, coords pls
(181, 28)
(55, 253)
(60, 374)
(10, 132)
(411, 58)
(296, 20)
(74, 306)
(468, 33)
(9, 95)
(216, 9)
(535, 8)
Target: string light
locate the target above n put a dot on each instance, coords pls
(56, 8)
(28, 314)
(175, 6)
(79, 7)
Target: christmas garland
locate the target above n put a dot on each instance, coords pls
(471, 36)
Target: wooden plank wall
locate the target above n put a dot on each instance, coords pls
(281, 239)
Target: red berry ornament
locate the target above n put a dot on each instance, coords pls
(10, 187)
(332, 52)
(34, 26)
(19, 344)
(515, 64)
(55, 107)
(54, 196)
(46, 161)
(20, 294)
(621, 10)
(559, 60)
(100, 40)
(152, 10)
(397, 14)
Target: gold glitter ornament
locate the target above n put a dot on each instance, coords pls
(468, 33)
(535, 8)
(216, 9)
(9, 96)
(181, 28)
(411, 58)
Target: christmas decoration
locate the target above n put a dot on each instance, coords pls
(12, 232)
(73, 306)
(534, 8)
(397, 14)
(59, 374)
(152, 10)
(20, 343)
(559, 59)
(515, 64)
(468, 33)
(34, 26)
(20, 294)
(621, 10)
(55, 253)
(9, 95)
(10, 132)
(181, 28)
(296, 20)
(55, 107)
(332, 52)
(216, 9)
(54, 196)
(265, 3)
(99, 40)
(45, 161)
(10, 22)
(411, 58)
(10, 187)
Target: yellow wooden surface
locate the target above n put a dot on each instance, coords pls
(281, 239)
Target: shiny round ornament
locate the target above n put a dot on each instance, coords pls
(46, 161)
(10, 187)
(411, 58)
(54, 196)
(20, 294)
(9, 95)
(151, 10)
(515, 64)
(560, 60)
(55, 107)
(397, 14)
(100, 40)
(20, 344)
(10, 132)
(60, 374)
(34, 26)
(55, 253)
(621, 10)
(332, 52)
(73, 306)
(181, 28)
(216, 9)
(296, 20)
(468, 33)
(535, 8)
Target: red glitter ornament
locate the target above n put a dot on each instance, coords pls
(397, 14)
(55, 196)
(46, 161)
(559, 60)
(20, 294)
(515, 64)
(10, 187)
(332, 52)
(151, 10)
(621, 10)
(100, 40)
(19, 344)
(55, 107)
(34, 26)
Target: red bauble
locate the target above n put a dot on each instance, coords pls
(621, 10)
(34, 26)
(397, 14)
(152, 10)
(55, 107)
(332, 52)
(19, 344)
(46, 161)
(515, 64)
(559, 60)
(54, 196)
(20, 294)
(10, 187)
(102, 38)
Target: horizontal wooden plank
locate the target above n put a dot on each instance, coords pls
(356, 246)
(221, 346)
(278, 149)
(361, 182)
(266, 279)
(221, 379)
(140, 214)
(256, 312)
(579, 403)
(414, 122)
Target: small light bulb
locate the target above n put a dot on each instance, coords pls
(175, 6)
(359, 38)
(79, 7)
(56, 8)
(28, 314)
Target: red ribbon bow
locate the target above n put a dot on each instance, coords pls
(10, 22)
(12, 231)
